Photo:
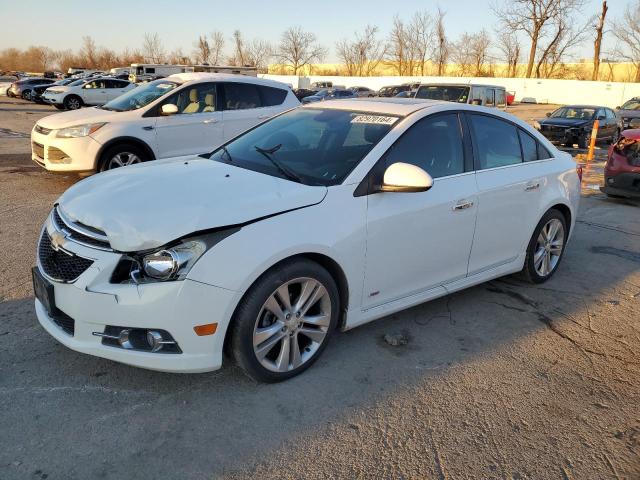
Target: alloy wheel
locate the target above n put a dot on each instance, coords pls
(549, 247)
(73, 104)
(292, 324)
(123, 159)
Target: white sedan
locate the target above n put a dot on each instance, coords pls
(322, 218)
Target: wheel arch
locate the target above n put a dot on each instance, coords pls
(115, 141)
(328, 263)
(566, 212)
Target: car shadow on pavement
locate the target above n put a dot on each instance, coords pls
(477, 364)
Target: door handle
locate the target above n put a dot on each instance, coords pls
(532, 186)
(148, 127)
(261, 117)
(210, 120)
(463, 205)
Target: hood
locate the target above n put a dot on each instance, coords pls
(564, 122)
(147, 206)
(77, 117)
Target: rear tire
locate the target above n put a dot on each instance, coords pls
(72, 102)
(546, 247)
(122, 155)
(584, 141)
(285, 321)
(26, 95)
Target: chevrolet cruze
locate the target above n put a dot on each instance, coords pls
(321, 219)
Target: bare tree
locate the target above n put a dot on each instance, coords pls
(441, 51)
(239, 55)
(362, 55)
(152, 48)
(597, 43)
(627, 31)
(202, 52)
(533, 18)
(421, 34)
(398, 47)
(178, 57)
(258, 53)
(509, 47)
(298, 49)
(565, 36)
(216, 44)
(89, 52)
(471, 53)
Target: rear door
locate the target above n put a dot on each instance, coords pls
(419, 241)
(196, 128)
(242, 108)
(509, 191)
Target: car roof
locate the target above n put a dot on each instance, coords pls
(228, 77)
(387, 106)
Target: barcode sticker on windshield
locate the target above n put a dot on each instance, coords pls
(376, 119)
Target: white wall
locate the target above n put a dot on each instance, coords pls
(610, 94)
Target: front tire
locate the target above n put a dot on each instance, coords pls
(122, 155)
(72, 102)
(285, 320)
(546, 247)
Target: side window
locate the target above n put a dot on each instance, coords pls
(240, 96)
(150, 70)
(199, 98)
(488, 97)
(610, 114)
(477, 95)
(495, 141)
(433, 144)
(272, 96)
(543, 153)
(112, 84)
(501, 98)
(529, 146)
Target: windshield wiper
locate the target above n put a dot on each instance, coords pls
(267, 152)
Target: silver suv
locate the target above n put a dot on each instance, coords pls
(486, 95)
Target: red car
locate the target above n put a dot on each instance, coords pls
(622, 171)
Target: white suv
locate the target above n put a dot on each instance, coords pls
(94, 91)
(184, 114)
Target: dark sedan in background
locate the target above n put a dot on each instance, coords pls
(323, 95)
(573, 124)
(629, 111)
(622, 171)
(38, 90)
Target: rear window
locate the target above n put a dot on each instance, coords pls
(448, 93)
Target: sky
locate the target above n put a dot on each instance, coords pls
(61, 24)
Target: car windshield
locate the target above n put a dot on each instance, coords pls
(309, 146)
(448, 93)
(633, 104)
(574, 113)
(140, 96)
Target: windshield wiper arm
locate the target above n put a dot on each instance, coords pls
(267, 152)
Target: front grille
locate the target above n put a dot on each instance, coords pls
(58, 264)
(42, 130)
(77, 236)
(38, 149)
(65, 322)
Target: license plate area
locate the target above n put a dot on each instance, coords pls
(44, 292)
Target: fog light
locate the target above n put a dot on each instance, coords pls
(154, 339)
(610, 181)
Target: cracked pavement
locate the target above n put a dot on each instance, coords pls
(504, 380)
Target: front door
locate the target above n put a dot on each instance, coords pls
(95, 93)
(418, 241)
(196, 128)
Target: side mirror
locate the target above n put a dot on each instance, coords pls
(404, 177)
(169, 109)
(548, 114)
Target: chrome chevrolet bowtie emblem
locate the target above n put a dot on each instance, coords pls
(57, 239)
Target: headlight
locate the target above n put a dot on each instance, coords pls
(536, 125)
(173, 263)
(79, 130)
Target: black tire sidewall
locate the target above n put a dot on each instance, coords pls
(529, 268)
(26, 95)
(120, 147)
(243, 322)
(68, 99)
